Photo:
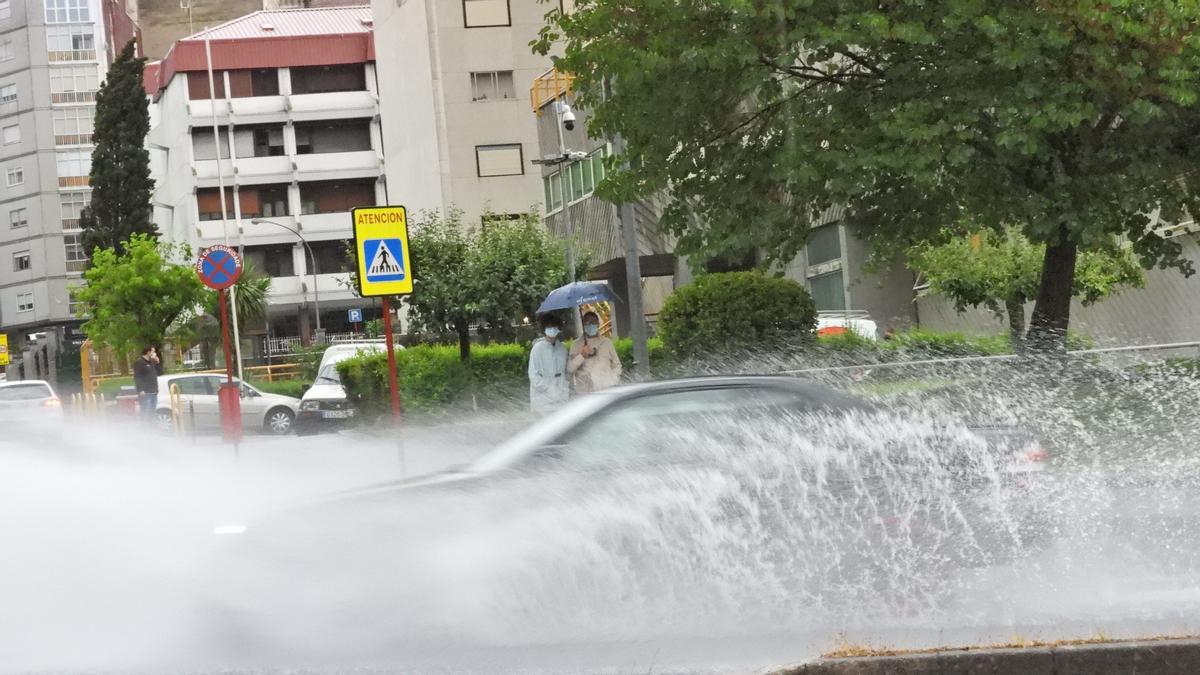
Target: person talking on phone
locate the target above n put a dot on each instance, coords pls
(146, 370)
(593, 361)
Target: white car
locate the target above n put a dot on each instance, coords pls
(272, 413)
(29, 400)
(325, 405)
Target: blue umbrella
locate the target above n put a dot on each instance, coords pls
(576, 294)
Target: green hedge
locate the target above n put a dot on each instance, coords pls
(433, 380)
(924, 343)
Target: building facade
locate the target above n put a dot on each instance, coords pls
(453, 77)
(298, 146)
(53, 56)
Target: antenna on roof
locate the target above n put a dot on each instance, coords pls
(186, 5)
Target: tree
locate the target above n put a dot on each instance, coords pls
(1002, 272)
(120, 175)
(251, 291)
(1074, 121)
(133, 298)
(496, 277)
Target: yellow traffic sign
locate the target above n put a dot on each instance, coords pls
(381, 245)
(3, 350)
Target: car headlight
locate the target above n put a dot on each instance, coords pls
(310, 405)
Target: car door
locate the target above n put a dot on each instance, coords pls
(194, 392)
(253, 407)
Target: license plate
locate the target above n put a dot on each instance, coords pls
(337, 414)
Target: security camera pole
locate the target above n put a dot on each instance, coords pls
(561, 111)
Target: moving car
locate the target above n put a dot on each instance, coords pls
(271, 413)
(325, 405)
(29, 400)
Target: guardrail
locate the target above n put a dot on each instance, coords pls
(993, 357)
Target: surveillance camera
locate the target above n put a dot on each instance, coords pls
(568, 119)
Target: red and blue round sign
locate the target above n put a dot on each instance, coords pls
(219, 267)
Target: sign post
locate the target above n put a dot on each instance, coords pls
(354, 316)
(219, 267)
(384, 270)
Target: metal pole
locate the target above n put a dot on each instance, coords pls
(633, 276)
(570, 225)
(212, 100)
(393, 382)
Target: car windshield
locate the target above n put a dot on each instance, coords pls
(25, 392)
(328, 375)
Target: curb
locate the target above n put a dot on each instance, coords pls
(1144, 657)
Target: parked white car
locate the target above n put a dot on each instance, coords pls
(272, 413)
(29, 400)
(325, 405)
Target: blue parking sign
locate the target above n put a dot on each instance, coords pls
(355, 315)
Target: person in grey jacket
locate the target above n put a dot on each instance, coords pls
(548, 386)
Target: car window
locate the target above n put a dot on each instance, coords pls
(641, 428)
(192, 386)
(25, 392)
(328, 375)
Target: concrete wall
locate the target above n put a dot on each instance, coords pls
(1166, 310)
(431, 126)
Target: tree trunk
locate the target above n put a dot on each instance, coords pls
(1052, 312)
(464, 340)
(1016, 322)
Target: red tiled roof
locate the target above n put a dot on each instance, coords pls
(281, 38)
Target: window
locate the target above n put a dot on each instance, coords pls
(71, 43)
(331, 256)
(16, 176)
(74, 167)
(824, 244)
(489, 219)
(22, 261)
(8, 93)
(11, 134)
(73, 204)
(252, 202)
(493, 85)
(275, 260)
(336, 196)
(828, 291)
(192, 386)
(76, 256)
(5, 9)
(18, 217)
(73, 126)
(198, 85)
(67, 11)
(6, 50)
(333, 136)
(74, 84)
(553, 188)
(24, 302)
(267, 142)
(499, 160)
(326, 79)
(484, 13)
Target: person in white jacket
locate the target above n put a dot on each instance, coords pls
(548, 368)
(593, 361)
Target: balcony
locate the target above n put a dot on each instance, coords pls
(296, 290)
(317, 225)
(258, 109)
(331, 165)
(201, 111)
(333, 105)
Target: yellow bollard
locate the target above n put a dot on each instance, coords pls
(176, 408)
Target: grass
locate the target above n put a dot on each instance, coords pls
(293, 388)
(848, 650)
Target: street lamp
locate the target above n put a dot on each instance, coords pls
(313, 258)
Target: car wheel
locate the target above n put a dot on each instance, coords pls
(280, 421)
(163, 420)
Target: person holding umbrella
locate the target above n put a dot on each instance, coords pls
(593, 361)
(548, 368)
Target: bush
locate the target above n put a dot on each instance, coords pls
(293, 388)
(736, 312)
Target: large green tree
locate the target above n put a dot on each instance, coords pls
(120, 176)
(134, 297)
(1076, 121)
(1001, 272)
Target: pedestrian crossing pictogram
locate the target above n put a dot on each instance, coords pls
(387, 260)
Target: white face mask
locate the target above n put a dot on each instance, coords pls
(591, 329)
(551, 332)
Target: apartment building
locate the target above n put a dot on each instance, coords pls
(53, 56)
(298, 131)
(454, 77)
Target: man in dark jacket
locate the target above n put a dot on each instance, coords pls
(146, 370)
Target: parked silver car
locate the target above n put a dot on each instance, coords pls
(272, 413)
